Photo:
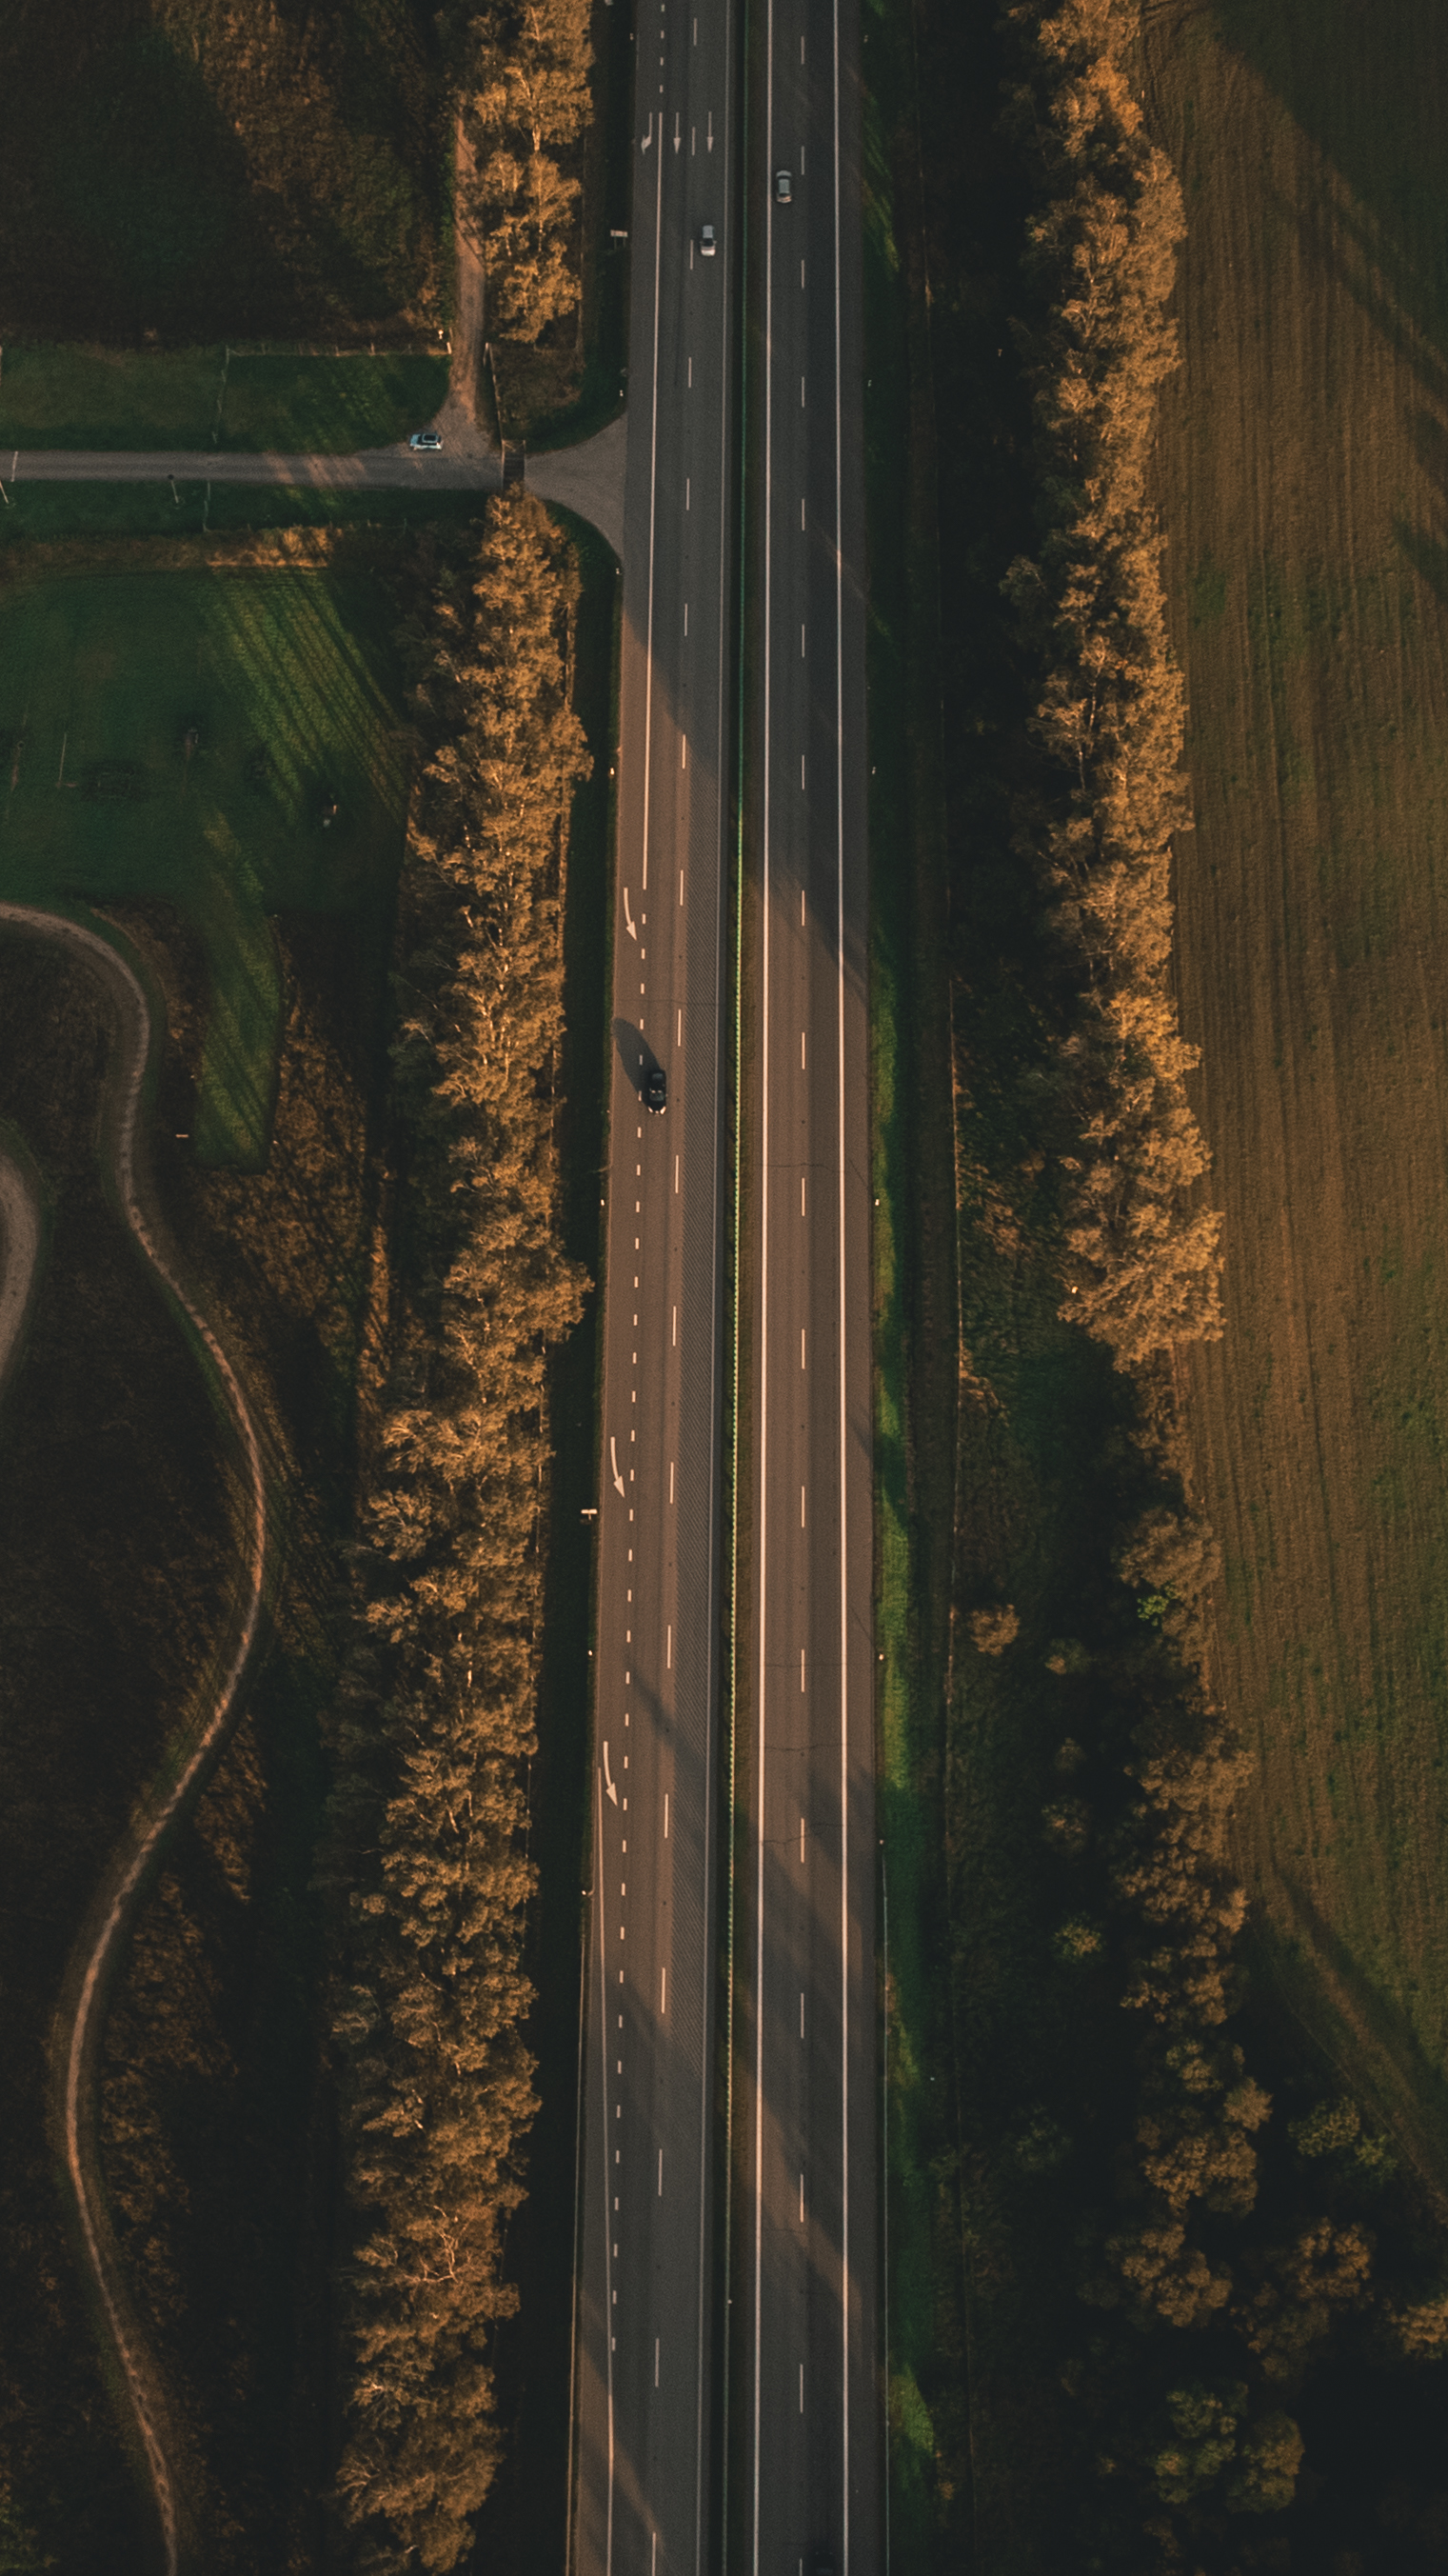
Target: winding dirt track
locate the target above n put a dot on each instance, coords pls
(19, 1256)
(160, 1807)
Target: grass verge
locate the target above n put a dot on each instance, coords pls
(46, 513)
(289, 404)
(913, 1284)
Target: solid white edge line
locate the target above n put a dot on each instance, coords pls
(706, 2054)
(603, 2132)
(761, 1557)
(653, 503)
(844, 1502)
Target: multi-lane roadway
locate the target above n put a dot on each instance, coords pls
(807, 2287)
(647, 2469)
(746, 2403)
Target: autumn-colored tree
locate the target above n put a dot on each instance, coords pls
(526, 101)
(1300, 2289)
(1096, 825)
(426, 1856)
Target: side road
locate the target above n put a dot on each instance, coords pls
(470, 467)
(588, 478)
(218, 1704)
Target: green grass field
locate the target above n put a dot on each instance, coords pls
(40, 513)
(178, 736)
(293, 405)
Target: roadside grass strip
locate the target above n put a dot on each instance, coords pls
(913, 1313)
(43, 513)
(288, 404)
(228, 743)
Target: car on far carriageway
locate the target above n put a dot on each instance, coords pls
(429, 440)
(783, 186)
(708, 241)
(656, 1088)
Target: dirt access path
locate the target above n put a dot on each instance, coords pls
(217, 1706)
(20, 1238)
(588, 478)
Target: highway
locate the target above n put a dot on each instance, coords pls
(645, 2466)
(799, 2472)
(806, 2454)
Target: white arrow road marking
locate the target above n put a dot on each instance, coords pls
(613, 1457)
(678, 138)
(711, 129)
(648, 138)
(628, 916)
(608, 1784)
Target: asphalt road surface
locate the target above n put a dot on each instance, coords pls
(807, 2453)
(645, 2465)
(469, 467)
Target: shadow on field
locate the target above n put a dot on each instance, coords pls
(1369, 88)
(1418, 2103)
(286, 177)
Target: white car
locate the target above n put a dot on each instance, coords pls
(708, 243)
(429, 440)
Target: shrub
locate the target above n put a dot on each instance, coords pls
(994, 1630)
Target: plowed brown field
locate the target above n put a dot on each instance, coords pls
(1304, 469)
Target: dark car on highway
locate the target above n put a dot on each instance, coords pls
(656, 1088)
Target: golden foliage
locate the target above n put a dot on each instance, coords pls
(1145, 1266)
(527, 100)
(992, 1631)
(427, 1863)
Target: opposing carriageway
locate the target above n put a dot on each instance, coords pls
(757, 2445)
